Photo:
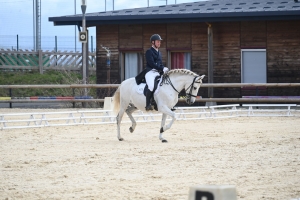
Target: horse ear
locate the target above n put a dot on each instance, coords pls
(201, 77)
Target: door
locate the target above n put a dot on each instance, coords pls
(254, 66)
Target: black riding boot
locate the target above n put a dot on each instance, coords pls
(149, 95)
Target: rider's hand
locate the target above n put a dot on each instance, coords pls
(166, 69)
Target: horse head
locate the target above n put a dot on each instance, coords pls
(192, 89)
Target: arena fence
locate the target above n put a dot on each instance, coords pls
(253, 99)
(83, 117)
(99, 116)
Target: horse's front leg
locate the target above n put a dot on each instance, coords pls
(166, 111)
(163, 121)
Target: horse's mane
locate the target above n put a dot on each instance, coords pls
(181, 71)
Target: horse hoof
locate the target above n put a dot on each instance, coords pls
(164, 141)
(121, 139)
(131, 129)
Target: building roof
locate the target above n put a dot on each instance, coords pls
(200, 11)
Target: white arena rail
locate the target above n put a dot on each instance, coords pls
(66, 118)
(191, 113)
(280, 109)
(231, 109)
(86, 117)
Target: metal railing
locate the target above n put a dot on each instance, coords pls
(44, 60)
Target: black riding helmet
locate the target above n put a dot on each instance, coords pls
(155, 37)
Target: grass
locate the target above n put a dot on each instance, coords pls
(48, 78)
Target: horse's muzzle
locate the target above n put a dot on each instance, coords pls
(188, 101)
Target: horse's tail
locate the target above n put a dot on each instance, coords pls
(116, 101)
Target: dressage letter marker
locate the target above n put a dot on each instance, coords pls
(212, 192)
(83, 37)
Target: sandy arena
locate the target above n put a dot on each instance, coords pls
(259, 155)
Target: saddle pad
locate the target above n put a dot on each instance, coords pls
(140, 88)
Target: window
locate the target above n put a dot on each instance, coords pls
(179, 60)
(131, 64)
(254, 66)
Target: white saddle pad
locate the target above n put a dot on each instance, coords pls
(140, 88)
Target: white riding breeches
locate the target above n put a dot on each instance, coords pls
(150, 76)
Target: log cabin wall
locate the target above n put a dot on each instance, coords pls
(227, 57)
(199, 44)
(107, 36)
(179, 36)
(283, 55)
(254, 36)
(130, 37)
(280, 39)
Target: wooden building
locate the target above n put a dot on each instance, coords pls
(253, 41)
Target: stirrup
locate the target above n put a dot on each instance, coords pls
(149, 107)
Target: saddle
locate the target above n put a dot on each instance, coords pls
(140, 78)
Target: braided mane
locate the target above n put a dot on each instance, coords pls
(181, 71)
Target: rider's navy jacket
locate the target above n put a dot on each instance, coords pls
(154, 60)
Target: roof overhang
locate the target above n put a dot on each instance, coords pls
(207, 11)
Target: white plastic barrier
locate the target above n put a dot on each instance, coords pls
(254, 112)
(82, 117)
(67, 118)
(212, 192)
(184, 113)
(231, 109)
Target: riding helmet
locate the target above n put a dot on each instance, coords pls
(155, 37)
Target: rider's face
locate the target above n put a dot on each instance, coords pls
(157, 43)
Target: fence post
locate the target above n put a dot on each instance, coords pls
(40, 55)
(73, 89)
(18, 49)
(17, 42)
(56, 50)
(10, 94)
(87, 60)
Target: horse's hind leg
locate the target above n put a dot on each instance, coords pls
(119, 119)
(131, 108)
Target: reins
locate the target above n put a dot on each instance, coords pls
(166, 80)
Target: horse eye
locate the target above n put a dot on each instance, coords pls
(195, 88)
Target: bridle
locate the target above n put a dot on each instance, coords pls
(166, 80)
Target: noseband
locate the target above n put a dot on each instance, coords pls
(191, 87)
(167, 80)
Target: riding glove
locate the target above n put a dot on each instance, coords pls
(166, 69)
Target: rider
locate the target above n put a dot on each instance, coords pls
(154, 67)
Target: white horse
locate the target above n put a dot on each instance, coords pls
(127, 99)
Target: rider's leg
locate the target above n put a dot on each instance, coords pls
(149, 94)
